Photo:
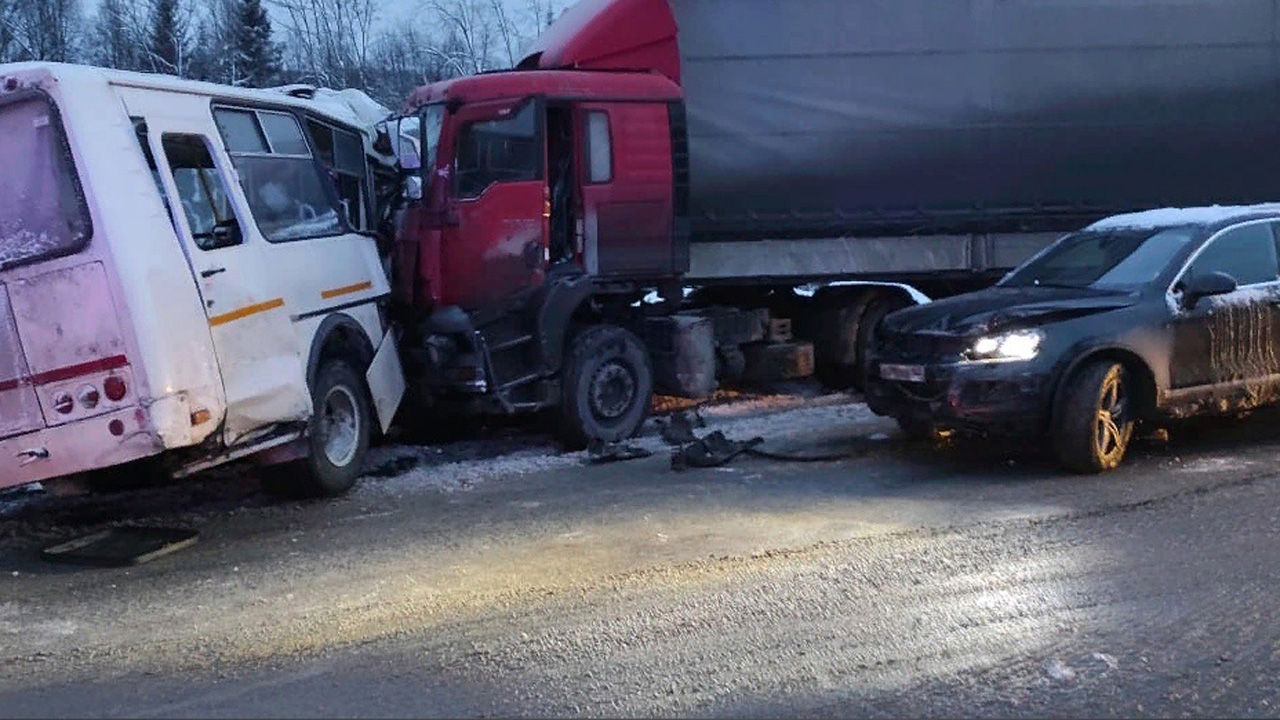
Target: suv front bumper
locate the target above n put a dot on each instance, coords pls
(1004, 398)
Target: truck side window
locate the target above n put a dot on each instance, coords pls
(496, 151)
(283, 185)
(342, 154)
(599, 147)
(201, 190)
(1246, 253)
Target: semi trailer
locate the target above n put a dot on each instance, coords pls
(674, 194)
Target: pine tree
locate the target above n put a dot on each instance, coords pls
(113, 43)
(167, 44)
(257, 55)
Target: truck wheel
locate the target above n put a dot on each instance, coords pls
(834, 332)
(607, 387)
(877, 309)
(337, 438)
(1094, 421)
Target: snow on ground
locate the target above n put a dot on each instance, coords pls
(774, 418)
(400, 469)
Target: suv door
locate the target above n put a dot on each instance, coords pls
(1224, 349)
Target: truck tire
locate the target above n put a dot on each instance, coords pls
(835, 338)
(1093, 422)
(877, 309)
(337, 437)
(607, 387)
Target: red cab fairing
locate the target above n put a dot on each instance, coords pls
(635, 35)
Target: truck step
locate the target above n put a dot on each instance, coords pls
(512, 343)
(519, 382)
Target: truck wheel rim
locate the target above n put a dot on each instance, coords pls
(1109, 432)
(613, 389)
(339, 427)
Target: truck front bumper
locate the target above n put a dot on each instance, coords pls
(1013, 399)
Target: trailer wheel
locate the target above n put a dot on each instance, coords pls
(337, 437)
(1094, 420)
(835, 338)
(607, 387)
(877, 309)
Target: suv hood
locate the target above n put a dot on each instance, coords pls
(998, 308)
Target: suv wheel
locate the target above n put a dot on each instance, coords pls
(1095, 418)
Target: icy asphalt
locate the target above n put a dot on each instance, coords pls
(498, 577)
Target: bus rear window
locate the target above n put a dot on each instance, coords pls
(42, 209)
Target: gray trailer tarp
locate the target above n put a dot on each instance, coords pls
(822, 118)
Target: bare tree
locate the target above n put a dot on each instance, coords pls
(116, 35)
(43, 30)
(329, 41)
(490, 34)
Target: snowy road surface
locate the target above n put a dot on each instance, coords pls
(499, 577)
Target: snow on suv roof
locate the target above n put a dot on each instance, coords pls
(1171, 217)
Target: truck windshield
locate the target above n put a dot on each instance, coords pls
(42, 210)
(1104, 260)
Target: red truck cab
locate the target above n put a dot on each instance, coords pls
(575, 157)
(541, 205)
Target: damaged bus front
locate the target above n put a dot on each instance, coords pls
(186, 276)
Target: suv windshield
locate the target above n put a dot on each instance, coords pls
(1117, 259)
(42, 212)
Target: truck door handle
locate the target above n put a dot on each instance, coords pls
(211, 272)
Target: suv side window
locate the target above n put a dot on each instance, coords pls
(1246, 253)
(496, 151)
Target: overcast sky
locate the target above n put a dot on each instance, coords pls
(393, 10)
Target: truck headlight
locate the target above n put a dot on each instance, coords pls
(1019, 345)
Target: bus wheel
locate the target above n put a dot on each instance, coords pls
(337, 437)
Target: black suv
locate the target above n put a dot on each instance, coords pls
(1156, 315)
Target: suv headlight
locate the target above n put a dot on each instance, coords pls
(1006, 347)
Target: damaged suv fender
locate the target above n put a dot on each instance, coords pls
(1148, 383)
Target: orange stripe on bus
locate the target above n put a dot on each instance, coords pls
(245, 312)
(346, 290)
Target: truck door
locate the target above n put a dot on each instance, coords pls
(496, 245)
(627, 189)
(253, 337)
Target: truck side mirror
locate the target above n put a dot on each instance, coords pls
(1207, 285)
(413, 187)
